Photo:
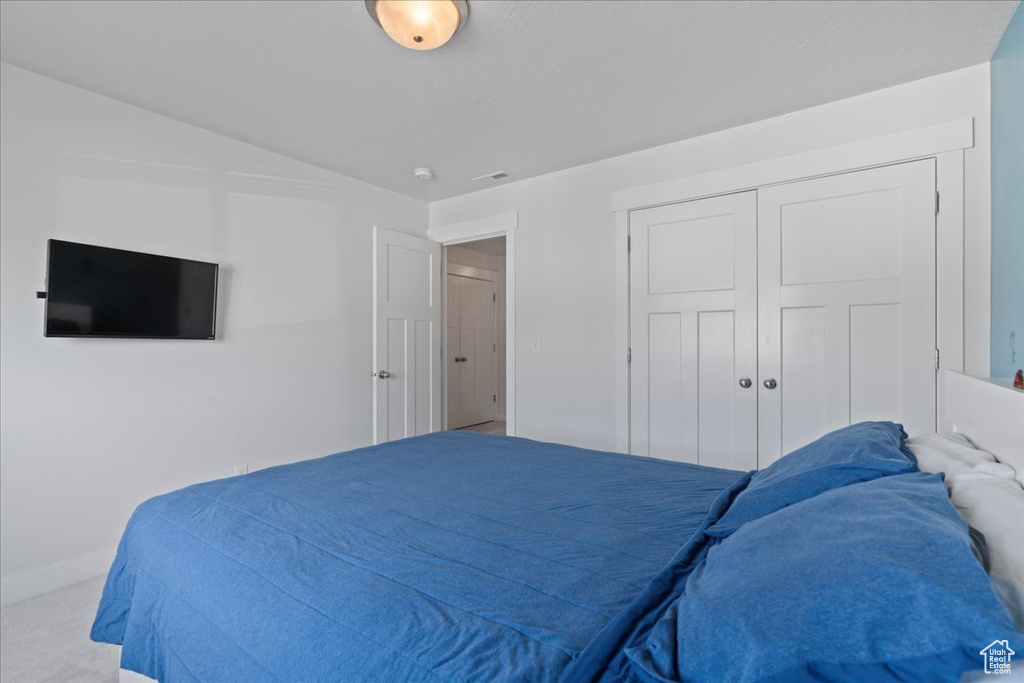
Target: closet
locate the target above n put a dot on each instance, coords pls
(762, 319)
(472, 362)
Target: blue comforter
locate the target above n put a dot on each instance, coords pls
(453, 556)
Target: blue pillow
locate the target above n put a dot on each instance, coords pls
(868, 582)
(860, 452)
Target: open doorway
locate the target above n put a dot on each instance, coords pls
(474, 340)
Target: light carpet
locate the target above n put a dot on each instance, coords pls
(46, 639)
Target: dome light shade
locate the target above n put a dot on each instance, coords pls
(419, 24)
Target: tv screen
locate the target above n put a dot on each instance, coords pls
(100, 292)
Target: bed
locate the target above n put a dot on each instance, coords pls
(385, 562)
(464, 556)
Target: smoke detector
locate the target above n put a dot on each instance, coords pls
(423, 173)
(495, 177)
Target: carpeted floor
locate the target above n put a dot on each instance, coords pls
(46, 639)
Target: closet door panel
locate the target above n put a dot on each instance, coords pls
(671, 425)
(876, 392)
(454, 348)
(846, 291)
(468, 384)
(804, 395)
(716, 387)
(842, 238)
(691, 255)
(693, 331)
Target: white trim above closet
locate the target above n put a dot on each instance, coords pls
(944, 142)
(881, 151)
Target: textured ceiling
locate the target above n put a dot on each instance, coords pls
(526, 87)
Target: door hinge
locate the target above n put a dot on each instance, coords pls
(494, 297)
(629, 243)
(936, 359)
(494, 347)
(936, 202)
(494, 398)
(629, 355)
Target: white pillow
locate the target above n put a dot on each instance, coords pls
(990, 499)
(954, 454)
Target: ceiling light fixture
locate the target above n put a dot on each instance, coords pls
(419, 24)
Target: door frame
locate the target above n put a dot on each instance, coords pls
(500, 225)
(471, 272)
(945, 142)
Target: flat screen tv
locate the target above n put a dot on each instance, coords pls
(100, 292)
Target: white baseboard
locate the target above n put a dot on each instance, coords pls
(18, 587)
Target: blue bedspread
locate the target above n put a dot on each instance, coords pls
(453, 556)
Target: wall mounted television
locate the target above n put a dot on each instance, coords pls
(101, 292)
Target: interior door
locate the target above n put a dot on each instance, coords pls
(846, 304)
(406, 335)
(472, 351)
(693, 331)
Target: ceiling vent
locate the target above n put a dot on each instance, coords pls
(491, 178)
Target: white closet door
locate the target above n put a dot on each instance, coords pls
(454, 353)
(472, 351)
(693, 332)
(406, 335)
(846, 290)
(479, 371)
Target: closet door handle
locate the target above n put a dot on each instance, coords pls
(770, 383)
(383, 374)
(745, 382)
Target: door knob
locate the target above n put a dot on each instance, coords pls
(745, 382)
(770, 383)
(383, 374)
(462, 358)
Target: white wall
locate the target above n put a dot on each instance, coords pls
(467, 256)
(91, 428)
(565, 248)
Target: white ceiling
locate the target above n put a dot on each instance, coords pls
(527, 87)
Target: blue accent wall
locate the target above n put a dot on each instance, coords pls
(1008, 201)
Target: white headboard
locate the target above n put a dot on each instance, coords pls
(988, 412)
